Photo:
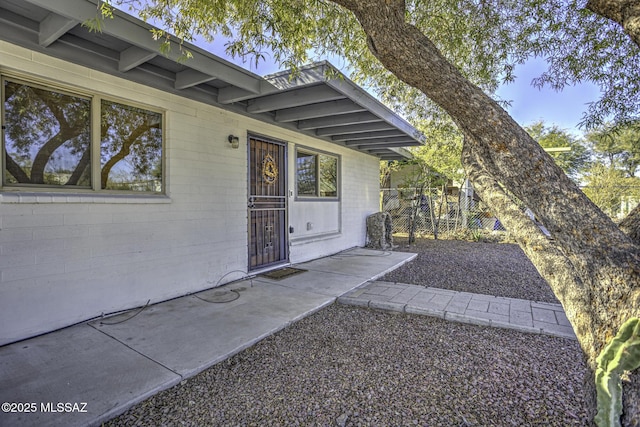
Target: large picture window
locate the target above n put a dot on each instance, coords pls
(316, 174)
(48, 141)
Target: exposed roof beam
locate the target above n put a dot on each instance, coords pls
(388, 144)
(15, 22)
(293, 98)
(134, 56)
(365, 127)
(323, 72)
(392, 153)
(136, 32)
(53, 27)
(324, 109)
(315, 102)
(367, 135)
(383, 142)
(189, 77)
(358, 94)
(341, 120)
(231, 94)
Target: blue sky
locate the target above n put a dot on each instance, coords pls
(529, 104)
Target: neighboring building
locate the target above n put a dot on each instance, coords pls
(130, 176)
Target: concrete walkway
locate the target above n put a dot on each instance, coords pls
(88, 373)
(522, 315)
(91, 372)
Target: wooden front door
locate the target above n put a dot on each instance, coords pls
(267, 203)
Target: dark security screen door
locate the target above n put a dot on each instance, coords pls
(267, 203)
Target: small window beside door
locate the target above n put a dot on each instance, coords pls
(316, 174)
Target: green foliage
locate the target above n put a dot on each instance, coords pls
(422, 175)
(443, 149)
(386, 169)
(572, 162)
(105, 11)
(485, 40)
(620, 355)
(608, 188)
(617, 146)
(610, 179)
(580, 46)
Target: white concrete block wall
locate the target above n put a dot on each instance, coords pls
(68, 257)
(359, 192)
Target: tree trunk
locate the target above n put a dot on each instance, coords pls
(125, 150)
(624, 12)
(631, 225)
(591, 265)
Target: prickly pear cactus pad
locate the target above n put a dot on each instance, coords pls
(620, 355)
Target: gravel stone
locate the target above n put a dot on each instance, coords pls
(354, 366)
(382, 369)
(499, 269)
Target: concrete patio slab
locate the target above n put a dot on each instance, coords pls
(368, 262)
(211, 332)
(113, 363)
(318, 282)
(77, 365)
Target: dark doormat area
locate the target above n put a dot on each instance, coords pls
(282, 273)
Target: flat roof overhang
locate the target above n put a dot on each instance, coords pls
(318, 100)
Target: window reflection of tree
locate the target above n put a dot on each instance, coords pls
(317, 174)
(306, 174)
(328, 176)
(48, 141)
(45, 129)
(131, 144)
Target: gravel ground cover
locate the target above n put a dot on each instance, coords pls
(351, 366)
(499, 269)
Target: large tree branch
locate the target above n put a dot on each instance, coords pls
(522, 165)
(631, 225)
(593, 266)
(548, 258)
(81, 167)
(624, 12)
(46, 151)
(14, 169)
(125, 150)
(65, 133)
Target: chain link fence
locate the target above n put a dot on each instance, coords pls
(445, 212)
(452, 212)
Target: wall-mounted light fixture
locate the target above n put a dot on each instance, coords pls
(234, 141)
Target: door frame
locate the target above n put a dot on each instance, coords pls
(284, 175)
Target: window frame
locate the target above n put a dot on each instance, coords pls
(317, 154)
(95, 99)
